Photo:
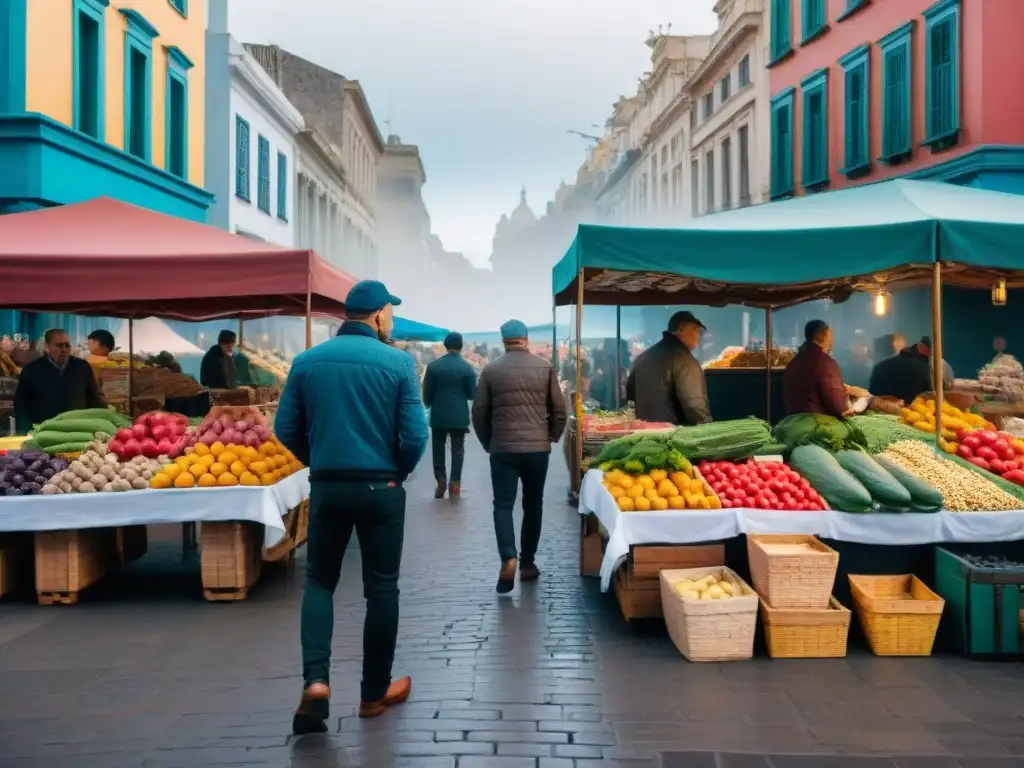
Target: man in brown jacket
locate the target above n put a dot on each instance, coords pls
(519, 411)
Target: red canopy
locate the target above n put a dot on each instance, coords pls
(105, 257)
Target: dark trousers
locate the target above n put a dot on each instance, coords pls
(507, 471)
(376, 511)
(438, 438)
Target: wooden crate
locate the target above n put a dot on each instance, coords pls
(231, 556)
(592, 546)
(296, 523)
(645, 562)
(132, 543)
(638, 598)
(15, 563)
(69, 561)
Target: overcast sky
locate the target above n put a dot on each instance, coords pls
(487, 88)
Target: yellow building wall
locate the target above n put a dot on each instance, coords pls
(49, 69)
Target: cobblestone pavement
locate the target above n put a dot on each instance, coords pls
(144, 673)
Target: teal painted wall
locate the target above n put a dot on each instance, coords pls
(12, 55)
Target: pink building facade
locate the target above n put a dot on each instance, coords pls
(865, 90)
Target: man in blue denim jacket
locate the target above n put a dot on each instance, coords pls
(351, 411)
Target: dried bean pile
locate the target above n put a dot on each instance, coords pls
(964, 490)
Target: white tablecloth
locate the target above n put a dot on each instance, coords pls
(264, 504)
(626, 529)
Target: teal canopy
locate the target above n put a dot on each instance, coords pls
(812, 247)
(410, 330)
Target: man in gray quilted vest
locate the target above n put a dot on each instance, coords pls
(519, 411)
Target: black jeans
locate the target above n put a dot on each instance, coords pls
(507, 470)
(438, 438)
(377, 513)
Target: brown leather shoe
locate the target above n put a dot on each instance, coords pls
(454, 489)
(442, 486)
(507, 576)
(398, 692)
(314, 708)
(529, 572)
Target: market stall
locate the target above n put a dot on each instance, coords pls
(411, 330)
(110, 259)
(879, 238)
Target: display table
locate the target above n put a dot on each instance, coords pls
(627, 529)
(266, 505)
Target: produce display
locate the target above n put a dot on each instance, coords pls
(818, 429)
(738, 439)
(1011, 488)
(71, 431)
(752, 357)
(886, 491)
(760, 485)
(98, 470)
(8, 366)
(962, 489)
(153, 434)
(838, 487)
(658, 490)
(711, 587)
(1001, 380)
(24, 473)
(996, 452)
(920, 415)
(225, 465)
(880, 431)
(271, 362)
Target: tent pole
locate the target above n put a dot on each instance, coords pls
(577, 480)
(241, 331)
(937, 347)
(768, 363)
(131, 368)
(618, 356)
(554, 336)
(309, 319)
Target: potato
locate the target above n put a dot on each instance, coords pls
(65, 487)
(706, 595)
(108, 471)
(140, 484)
(87, 488)
(715, 592)
(690, 594)
(684, 584)
(726, 587)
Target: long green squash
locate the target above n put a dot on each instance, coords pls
(838, 487)
(719, 440)
(883, 487)
(923, 497)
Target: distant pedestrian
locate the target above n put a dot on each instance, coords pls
(448, 386)
(217, 371)
(519, 411)
(351, 411)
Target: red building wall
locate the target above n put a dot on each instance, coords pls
(991, 79)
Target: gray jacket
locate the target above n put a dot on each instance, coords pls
(667, 384)
(519, 407)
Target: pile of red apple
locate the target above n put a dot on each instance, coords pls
(995, 452)
(153, 434)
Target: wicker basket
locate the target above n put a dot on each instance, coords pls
(792, 571)
(804, 633)
(899, 614)
(232, 557)
(710, 630)
(69, 561)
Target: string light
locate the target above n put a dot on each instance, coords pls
(881, 303)
(999, 292)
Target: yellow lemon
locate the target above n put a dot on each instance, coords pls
(645, 481)
(626, 481)
(642, 504)
(227, 458)
(207, 481)
(227, 479)
(626, 504)
(676, 502)
(184, 480)
(635, 492)
(217, 469)
(217, 449)
(659, 504)
(657, 475)
(201, 449)
(237, 468)
(667, 489)
(197, 470)
(617, 491)
(160, 480)
(171, 470)
(650, 494)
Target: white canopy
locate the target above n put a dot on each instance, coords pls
(153, 336)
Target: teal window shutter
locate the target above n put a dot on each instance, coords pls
(263, 175)
(181, 6)
(781, 27)
(942, 75)
(745, 71)
(813, 19)
(138, 77)
(89, 63)
(782, 144)
(851, 6)
(241, 158)
(897, 73)
(857, 112)
(815, 130)
(282, 186)
(176, 113)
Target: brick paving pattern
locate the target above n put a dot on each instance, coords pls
(144, 673)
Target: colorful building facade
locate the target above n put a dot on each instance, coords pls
(865, 90)
(103, 97)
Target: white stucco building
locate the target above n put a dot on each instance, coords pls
(728, 151)
(251, 131)
(319, 201)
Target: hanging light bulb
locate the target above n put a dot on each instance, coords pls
(999, 292)
(881, 303)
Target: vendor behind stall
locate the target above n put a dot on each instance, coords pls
(909, 373)
(218, 368)
(101, 344)
(55, 383)
(813, 382)
(666, 382)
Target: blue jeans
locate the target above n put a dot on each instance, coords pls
(507, 471)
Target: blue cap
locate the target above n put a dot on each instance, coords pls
(370, 296)
(453, 341)
(514, 329)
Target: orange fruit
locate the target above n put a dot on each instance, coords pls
(160, 480)
(171, 470)
(227, 458)
(201, 449)
(259, 468)
(183, 461)
(217, 449)
(217, 469)
(197, 470)
(268, 478)
(207, 461)
(184, 480)
(227, 479)
(249, 455)
(268, 448)
(207, 481)
(280, 461)
(237, 468)
(248, 478)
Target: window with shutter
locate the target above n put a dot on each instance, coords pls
(813, 19)
(743, 139)
(781, 24)
(815, 131)
(897, 136)
(745, 71)
(851, 6)
(782, 144)
(694, 189)
(263, 175)
(857, 108)
(726, 174)
(181, 6)
(709, 182)
(282, 186)
(241, 158)
(942, 75)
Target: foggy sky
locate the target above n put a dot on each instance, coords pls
(486, 89)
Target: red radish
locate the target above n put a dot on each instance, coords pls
(132, 448)
(980, 462)
(139, 431)
(123, 434)
(149, 448)
(164, 446)
(159, 432)
(116, 447)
